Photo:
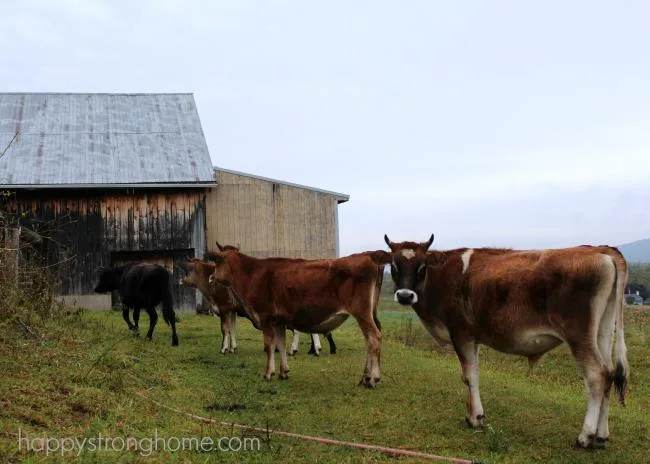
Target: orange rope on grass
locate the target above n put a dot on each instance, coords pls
(325, 441)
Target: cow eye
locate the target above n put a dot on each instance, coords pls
(422, 270)
(393, 269)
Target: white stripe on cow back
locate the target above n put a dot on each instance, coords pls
(465, 257)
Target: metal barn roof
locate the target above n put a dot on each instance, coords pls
(102, 140)
(340, 197)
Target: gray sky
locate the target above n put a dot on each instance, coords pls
(502, 123)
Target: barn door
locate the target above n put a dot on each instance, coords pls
(184, 297)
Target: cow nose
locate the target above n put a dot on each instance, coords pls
(406, 297)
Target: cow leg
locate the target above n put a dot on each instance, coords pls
(371, 373)
(294, 342)
(153, 318)
(269, 349)
(225, 332)
(605, 338)
(330, 340)
(315, 345)
(172, 323)
(595, 373)
(136, 319)
(280, 340)
(233, 326)
(468, 355)
(125, 316)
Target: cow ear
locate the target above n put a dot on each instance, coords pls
(428, 243)
(380, 257)
(219, 246)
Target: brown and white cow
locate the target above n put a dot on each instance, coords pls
(524, 303)
(314, 296)
(223, 301)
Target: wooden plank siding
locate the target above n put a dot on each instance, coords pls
(91, 228)
(266, 218)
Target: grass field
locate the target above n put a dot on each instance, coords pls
(77, 375)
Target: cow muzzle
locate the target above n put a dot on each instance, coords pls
(406, 297)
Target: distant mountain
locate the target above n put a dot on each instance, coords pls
(637, 252)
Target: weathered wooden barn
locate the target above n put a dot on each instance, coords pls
(111, 178)
(269, 217)
(106, 178)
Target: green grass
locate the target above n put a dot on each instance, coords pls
(77, 376)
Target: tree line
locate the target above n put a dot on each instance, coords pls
(639, 279)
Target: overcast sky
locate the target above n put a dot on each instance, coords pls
(501, 123)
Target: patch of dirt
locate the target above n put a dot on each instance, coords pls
(232, 407)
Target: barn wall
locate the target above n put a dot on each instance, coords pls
(89, 229)
(271, 219)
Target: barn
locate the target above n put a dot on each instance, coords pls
(103, 179)
(270, 217)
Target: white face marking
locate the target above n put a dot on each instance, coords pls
(465, 257)
(408, 253)
(405, 294)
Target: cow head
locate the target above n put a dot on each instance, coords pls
(408, 269)
(222, 274)
(109, 280)
(192, 269)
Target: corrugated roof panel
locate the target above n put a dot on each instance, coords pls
(102, 139)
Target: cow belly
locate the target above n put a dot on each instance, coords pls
(532, 344)
(331, 323)
(318, 320)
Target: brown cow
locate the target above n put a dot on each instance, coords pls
(524, 303)
(314, 296)
(223, 301)
(226, 306)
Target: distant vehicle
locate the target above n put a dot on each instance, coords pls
(633, 299)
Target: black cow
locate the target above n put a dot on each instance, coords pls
(141, 285)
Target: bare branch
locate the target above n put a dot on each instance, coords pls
(9, 144)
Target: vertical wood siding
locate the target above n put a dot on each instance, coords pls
(271, 219)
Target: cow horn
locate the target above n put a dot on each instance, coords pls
(387, 240)
(428, 243)
(219, 246)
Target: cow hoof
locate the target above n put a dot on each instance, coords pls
(332, 351)
(476, 422)
(284, 376)
(599, 443)
(584, 443)
(268, 377)
(223, 351)
(370, 383)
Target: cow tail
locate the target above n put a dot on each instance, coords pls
(622, 368)
(378, 282)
